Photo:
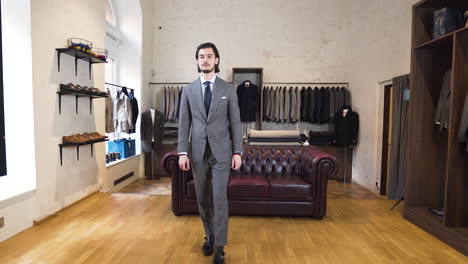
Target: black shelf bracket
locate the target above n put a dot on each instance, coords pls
(60, 103)
(78, 55)
(78, 95)
(90, 105)
(61, 146)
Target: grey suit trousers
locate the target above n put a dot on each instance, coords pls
(211, 179)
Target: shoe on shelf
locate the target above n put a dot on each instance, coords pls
(99, 136)
(208, 246)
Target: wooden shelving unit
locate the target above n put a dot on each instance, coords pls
(437, 165)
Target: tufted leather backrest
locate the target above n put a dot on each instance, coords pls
(268, 160)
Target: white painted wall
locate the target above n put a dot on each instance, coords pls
(16, 187)
(52, 23)
(379, 49)
(361, 42)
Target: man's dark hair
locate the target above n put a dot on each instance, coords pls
(205, 46)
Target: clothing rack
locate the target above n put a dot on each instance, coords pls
(168, 83)
(111, 84)
(309, 83)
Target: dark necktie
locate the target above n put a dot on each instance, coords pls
(207, 98)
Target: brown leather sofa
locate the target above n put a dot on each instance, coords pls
(280, 181)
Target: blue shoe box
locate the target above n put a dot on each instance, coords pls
(126, 147)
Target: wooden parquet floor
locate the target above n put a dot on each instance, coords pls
(128, 228)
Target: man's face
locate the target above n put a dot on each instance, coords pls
(207, 60)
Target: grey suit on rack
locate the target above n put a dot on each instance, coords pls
(211, 139)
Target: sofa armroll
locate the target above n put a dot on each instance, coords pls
(170, 163)
(317, 168)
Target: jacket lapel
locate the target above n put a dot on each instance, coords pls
(197, 94)
(215, 98)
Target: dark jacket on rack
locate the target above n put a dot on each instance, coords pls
(443, 105)
(135, 111)
(346, 127)
(326, 105)
(265, 101)
(248, 98)
(304, 104)
(318, 105)
(311, 95)
(151, 129)
(463, 131)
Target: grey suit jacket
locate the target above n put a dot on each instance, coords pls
(287, 104)
(292, 113)
(221, 127)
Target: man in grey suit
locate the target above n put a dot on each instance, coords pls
(210, 143)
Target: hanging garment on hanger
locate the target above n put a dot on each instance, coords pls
(346, 127)
(151, 129)
(163, 101)
(304, 104)
(292, 109)
(122, 113)
(248, 100)
(287, 104)
(178, 102)
(443, 104)
(331, 109)
(313, 96)
(298, 103)
(463, 131)
(135, 111)
(272, 100)
(265, 102)
(326, 105)
(109, 113)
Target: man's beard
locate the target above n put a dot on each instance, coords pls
(208, 70)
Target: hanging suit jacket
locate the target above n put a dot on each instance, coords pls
(463, 131)
(304, 104)
(332, 110)
(443, 105)
(326, 105)
(176, 102)
(312, 101)
(135, 112)
(292, 109)
(287, 104)
(151, 129)
(248, 100)
(281, 104)
(109, 113)
(298, 103)
(272, 103)
(122, 113)
(265, 102)
(346, 127)
(318, 105)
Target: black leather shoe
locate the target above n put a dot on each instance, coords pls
(208, 246)
(218, 257)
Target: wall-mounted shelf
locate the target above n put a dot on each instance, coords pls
(78, 55)
(78, 95)
(77, 145)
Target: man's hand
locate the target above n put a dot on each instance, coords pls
(184, 163)
(236, 162)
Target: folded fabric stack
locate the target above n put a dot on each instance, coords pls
(84, 138)
(274, 137)
(170, 133)
(79, 89)
(321, 138)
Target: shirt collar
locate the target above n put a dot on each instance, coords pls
(212, 80)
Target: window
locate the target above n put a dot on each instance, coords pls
(2, 117)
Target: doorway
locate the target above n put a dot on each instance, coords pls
(386, 138)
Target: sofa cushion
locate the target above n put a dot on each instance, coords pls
(248, 185)
(289, 186)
